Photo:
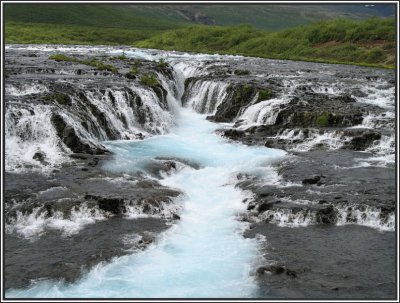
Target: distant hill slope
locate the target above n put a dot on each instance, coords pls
(275, 31)
(369, 42)
(269, 16)
(163, 17)
(110, 16)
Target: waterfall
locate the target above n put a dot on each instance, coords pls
(205, 96)
(94, 115)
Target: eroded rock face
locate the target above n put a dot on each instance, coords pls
(64, 213)
(364, 140)
(73, 107)
(238, 97)
(316, 112)
(71, 219)
(302, 106)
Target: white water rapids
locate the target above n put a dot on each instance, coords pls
(205, 253)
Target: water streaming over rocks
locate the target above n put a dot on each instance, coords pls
(85, 148)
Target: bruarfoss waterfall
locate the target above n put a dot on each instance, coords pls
(183, 175)
(205, 253)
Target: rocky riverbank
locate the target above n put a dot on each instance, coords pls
(335, 122)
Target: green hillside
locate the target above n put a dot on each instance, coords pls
(370, 42)
(108, 16)
(270, 17)
(303, 37)
(163, 17)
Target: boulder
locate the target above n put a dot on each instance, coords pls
(327, 215)
(364, 140)
(313, 180)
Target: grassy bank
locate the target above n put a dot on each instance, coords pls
(370, 42)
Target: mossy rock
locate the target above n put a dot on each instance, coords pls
(150, 80)
(241, 72)
(323, 119)
(60, 98)
(240, 95)
(133, 72)
(264, 94)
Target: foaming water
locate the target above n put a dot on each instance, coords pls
(205, 254)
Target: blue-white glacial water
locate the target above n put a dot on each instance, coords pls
(204, 254)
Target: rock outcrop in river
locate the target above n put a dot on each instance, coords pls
(335, 122)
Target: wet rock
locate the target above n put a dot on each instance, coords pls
(291, 273)
(346, 98)
(265, 206)
(60, 98)
(146, 239)
(39, 156)
(327, 215)
(251, 207)
(272, 269)
(239, 96)
(313, 180)
(70, 138)
(158, 167)
(363, 141)
(187, 162)
(115, 206)
(241, 72)
(233, 133)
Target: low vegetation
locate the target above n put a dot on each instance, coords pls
(91, 62)
(60, 98)
(149, 80)
(370, 42)
(42, 33)
(161, 64)
(241, 72)
(264, 94)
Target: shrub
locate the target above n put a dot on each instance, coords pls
(264, 94)
(161, 64)
(149, 80)
(133, 72)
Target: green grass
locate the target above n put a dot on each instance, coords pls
(99, 16)
(149, 80)
(322, 119)
(161, 64)
(92, 62)
(41, 33)
(264, 94)
(370, 42)
(165, 17)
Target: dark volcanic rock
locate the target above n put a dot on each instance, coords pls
(359, 261)
(327, 215)
(363, 141)
(39, 156)
(239, 96)
(66, 258)
(68, 135)
(274, 269)
(110, 204)
(313, 180)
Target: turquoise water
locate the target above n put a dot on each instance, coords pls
(204, 255)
